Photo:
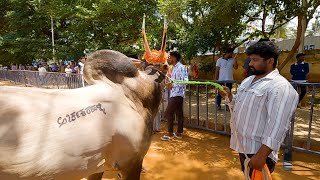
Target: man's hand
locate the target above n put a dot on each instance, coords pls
(257, 162)
(259, 159)
(169, 86)
(226, 92)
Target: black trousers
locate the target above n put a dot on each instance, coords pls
(270, 163)
(175, 107)
(303, 91)
(219, 97)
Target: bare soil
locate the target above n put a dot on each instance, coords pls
(203, 155)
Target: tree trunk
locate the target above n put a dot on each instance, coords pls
(296, 43)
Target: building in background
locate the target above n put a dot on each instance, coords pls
(310, 43)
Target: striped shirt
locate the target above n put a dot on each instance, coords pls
(262, 113)
(179, 72)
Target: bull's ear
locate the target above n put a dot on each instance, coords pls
(108, 64)
(160, 78)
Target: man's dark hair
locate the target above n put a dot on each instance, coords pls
(299, 55)
(228, 50)
(176, 55)
(266, 50)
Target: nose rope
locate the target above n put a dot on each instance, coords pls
(197, 83)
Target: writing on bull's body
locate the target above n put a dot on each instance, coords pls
(83, 112)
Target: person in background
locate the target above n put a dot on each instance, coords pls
(29, 67)
(81, 67)
(22, 67)
(42, 74)
(14, 67)
(299, 72)
(54, 67)
(62, 67)
(177, 93)
(224, 71)
(189, 70)
(68, 72)
(195, 71)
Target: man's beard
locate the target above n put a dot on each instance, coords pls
(257, 72)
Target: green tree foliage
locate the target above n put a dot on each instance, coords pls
(315, 29)
(278, 12)
(201, 26)
(79, 25)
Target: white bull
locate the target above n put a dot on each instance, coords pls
(71, 134)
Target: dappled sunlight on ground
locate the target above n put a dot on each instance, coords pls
(204, 155)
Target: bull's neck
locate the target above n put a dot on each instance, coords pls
(144, 93)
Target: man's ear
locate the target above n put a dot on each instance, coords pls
(271, 61)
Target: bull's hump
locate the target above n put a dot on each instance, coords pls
(110, 64)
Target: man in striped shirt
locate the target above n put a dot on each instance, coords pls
(262, 109)
(177, 92)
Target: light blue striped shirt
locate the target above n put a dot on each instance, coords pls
(262, 113)
(179, 72)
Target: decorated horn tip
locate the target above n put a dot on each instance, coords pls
(165, 24)
(144, 21)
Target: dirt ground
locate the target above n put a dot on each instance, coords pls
(204, 155)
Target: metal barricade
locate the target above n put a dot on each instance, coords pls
(201, 111)
(50, 80)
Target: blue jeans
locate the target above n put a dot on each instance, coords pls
(218, 97)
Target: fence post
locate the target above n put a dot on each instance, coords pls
(198, 107)
(311, 114)
(287, 156)
(207, 108)
(189, 103)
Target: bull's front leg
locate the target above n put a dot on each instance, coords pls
(132, 171)
(97, 176)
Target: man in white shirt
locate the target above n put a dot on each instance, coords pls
(81, 64)
(224, 71)
(42, 74)
(262, 109)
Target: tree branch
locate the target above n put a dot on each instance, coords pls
(254, 17)
(280, 25)
(264, 17)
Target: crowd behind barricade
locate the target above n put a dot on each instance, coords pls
(69, 72)
(76, 67)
